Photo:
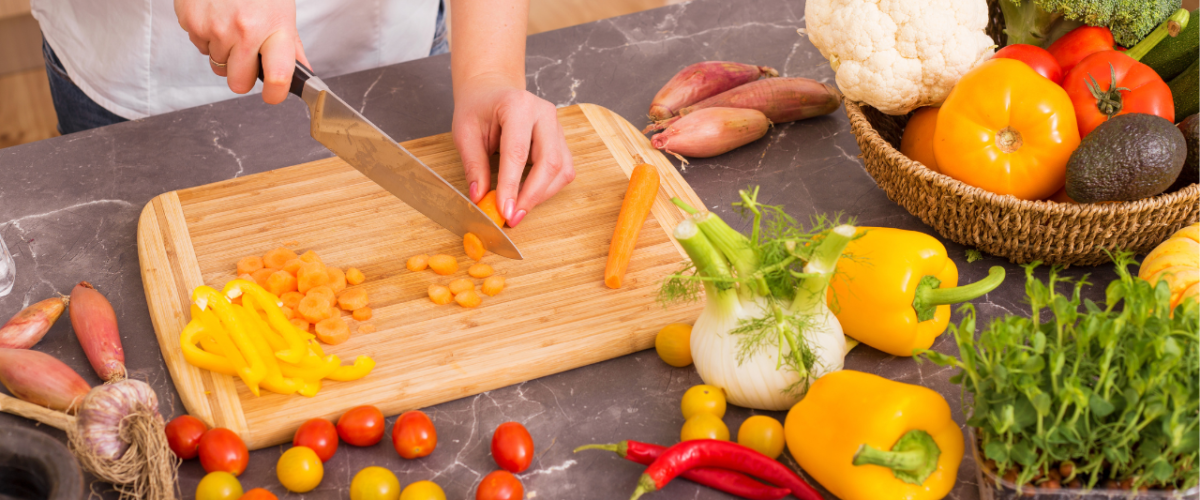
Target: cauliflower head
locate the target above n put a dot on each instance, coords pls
(899, 55)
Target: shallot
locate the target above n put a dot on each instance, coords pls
(41, 379)
(700, 81)
(781, 99)
(117, 435)
(31, 324)
(95, 326)
(711, 131)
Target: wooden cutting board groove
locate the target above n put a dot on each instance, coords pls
(554, 315)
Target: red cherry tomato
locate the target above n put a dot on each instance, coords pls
(258, 494)
(222, 450)
(500, 485)
(1147, 93)
(414, 435)
(183, 436)
(1078, 44)
(319, 435)
(361, 426)
(512, 447)
(1036, 57)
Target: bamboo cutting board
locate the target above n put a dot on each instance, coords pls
(554, 315)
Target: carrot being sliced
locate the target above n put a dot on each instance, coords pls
(489, 207)
(473, 246)
(639, 197)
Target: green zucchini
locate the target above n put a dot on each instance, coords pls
(1174, 54)
(1185, 90)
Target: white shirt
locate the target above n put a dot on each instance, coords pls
(131, 56)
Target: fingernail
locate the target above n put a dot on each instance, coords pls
(471, 190)
(508, 209)
(516, 219)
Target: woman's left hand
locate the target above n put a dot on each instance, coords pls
(491, 115)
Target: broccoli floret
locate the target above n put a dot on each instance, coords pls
(1028, 21)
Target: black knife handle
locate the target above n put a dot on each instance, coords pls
(299, 76)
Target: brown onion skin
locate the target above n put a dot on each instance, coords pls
(700, 81)
(41, 379)
(100, 414)
(781, 99)
(28, 327)
(95, 325)
(712, 131)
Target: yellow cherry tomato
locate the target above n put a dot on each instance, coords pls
(704, 426)
(300, 469)
(423, 490)
(762, 434)
(219, 485)
(374, 483)
(674, 344)
(703, 399)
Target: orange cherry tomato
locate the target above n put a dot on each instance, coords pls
(183, 436)
(500, 485)
(512, 447)
(917, 141)
(413, 435)
(1006, 129)
(222, 450)
(361, 426)
(320, 436)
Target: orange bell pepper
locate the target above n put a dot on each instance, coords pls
(1006, 129)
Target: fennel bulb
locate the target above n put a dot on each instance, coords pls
(765, 331)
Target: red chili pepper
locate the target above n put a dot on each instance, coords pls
(734, 483)
(689, 455)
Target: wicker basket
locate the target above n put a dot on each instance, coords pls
(1019, 230)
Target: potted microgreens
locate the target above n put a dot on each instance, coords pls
(1080, 398)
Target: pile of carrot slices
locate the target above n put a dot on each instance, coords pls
(461, 290)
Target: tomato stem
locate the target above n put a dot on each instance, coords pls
(1108, 101)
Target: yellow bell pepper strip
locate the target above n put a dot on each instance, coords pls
(268, 303)
(309, 388)
(893, 290)
(226, 347)
(274, 380)
(198, 358)
(205, 297)
(864, 437)
(361, 367)
(313, 368)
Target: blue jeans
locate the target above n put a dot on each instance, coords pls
(78, 112)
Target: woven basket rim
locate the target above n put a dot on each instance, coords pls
(914, 168)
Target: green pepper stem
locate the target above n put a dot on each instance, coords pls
(912, 459)
(618, 448)
(1171, 27)
(929, 296)
(645, 485)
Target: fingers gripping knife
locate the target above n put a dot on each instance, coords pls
(368, 149)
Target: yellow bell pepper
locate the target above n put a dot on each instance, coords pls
(204, 298)
(256, 298)
(864, 437)
(361, 367)
(893, 289)
(200, 358)
(274, 380)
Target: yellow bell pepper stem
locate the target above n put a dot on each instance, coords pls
(198, 358)
(929, 296)
(205, 297)
(912, 459)
(361, 367)
(269, 304)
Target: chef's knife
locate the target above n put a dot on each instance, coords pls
(368, 149)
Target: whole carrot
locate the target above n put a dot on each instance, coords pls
(639, 196)
(734, 483)
(700, 81)
(31, 324)
(95, 325)
(689, 455)
(781, 99)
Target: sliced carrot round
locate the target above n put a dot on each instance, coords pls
(493, 285)
(280, 282)
(473, 246)
(416, 264)
(354, 276)
(362, 313)
(291, 299)
(293, 266)
(311, 258)
(461, 285)
(322, 291)
(300, 324)
(480, 270)
(315, 308)
(352, 299)
(443, 264)
(278, 257)
(312, 274)
(333, 331)
(337, 279)
(260, 276)
(468, 299)
(248, 265)
(440, 295)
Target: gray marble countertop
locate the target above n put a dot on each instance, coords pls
(69, 208)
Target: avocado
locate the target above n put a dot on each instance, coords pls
(1185, 90)
(1173, 54)
(1128, 157)
(1191, 167)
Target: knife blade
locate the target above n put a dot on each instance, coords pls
(357, 141)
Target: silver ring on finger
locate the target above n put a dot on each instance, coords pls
(215, 63)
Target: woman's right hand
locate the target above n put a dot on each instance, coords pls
(235, 32)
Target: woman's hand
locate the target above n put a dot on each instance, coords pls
(235, 32)
(490, 116)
